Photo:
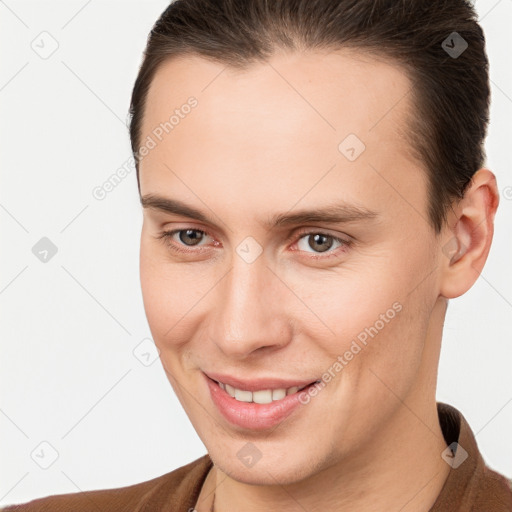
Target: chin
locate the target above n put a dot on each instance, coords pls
(277, 470)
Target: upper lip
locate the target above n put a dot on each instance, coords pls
(258, 383)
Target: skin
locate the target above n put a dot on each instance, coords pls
(264, 141)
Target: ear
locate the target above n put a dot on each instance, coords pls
(467, 236)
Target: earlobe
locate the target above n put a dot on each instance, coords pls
(468, 235)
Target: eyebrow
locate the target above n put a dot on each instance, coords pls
(333, 213)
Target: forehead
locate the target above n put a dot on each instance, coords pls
(335, 91)
(284, 122)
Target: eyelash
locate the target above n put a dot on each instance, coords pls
(166, 237)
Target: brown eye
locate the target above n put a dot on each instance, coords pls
(319, 242)
(190, 236)
(315, 242)
(320, 245)
(179, 239)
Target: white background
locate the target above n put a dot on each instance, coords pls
(69, 327)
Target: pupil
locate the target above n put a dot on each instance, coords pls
(318, 240)
(190, 234)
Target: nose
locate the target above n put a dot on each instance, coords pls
(249, 312)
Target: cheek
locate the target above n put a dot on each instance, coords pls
(166, 302)
(392, 353)
(379, 312)
(162, 294)
(173, 296)
(352, 302)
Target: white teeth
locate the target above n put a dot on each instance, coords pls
(230, 390)
(277, 394)
(243, 396)
(292, 390)
(263, 396)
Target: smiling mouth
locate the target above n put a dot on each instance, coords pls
(263, 396)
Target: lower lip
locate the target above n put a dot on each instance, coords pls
(250, 415)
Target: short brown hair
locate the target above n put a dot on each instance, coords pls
(450, 92)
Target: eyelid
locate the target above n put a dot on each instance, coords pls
(167, 234)
(345, 243)
(297, 235)
(312, 230)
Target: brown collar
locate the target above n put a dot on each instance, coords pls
(470, 483)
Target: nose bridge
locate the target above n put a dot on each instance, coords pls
(248, 315)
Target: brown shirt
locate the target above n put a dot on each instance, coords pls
(470, 486)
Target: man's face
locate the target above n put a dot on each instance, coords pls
(248, 299)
